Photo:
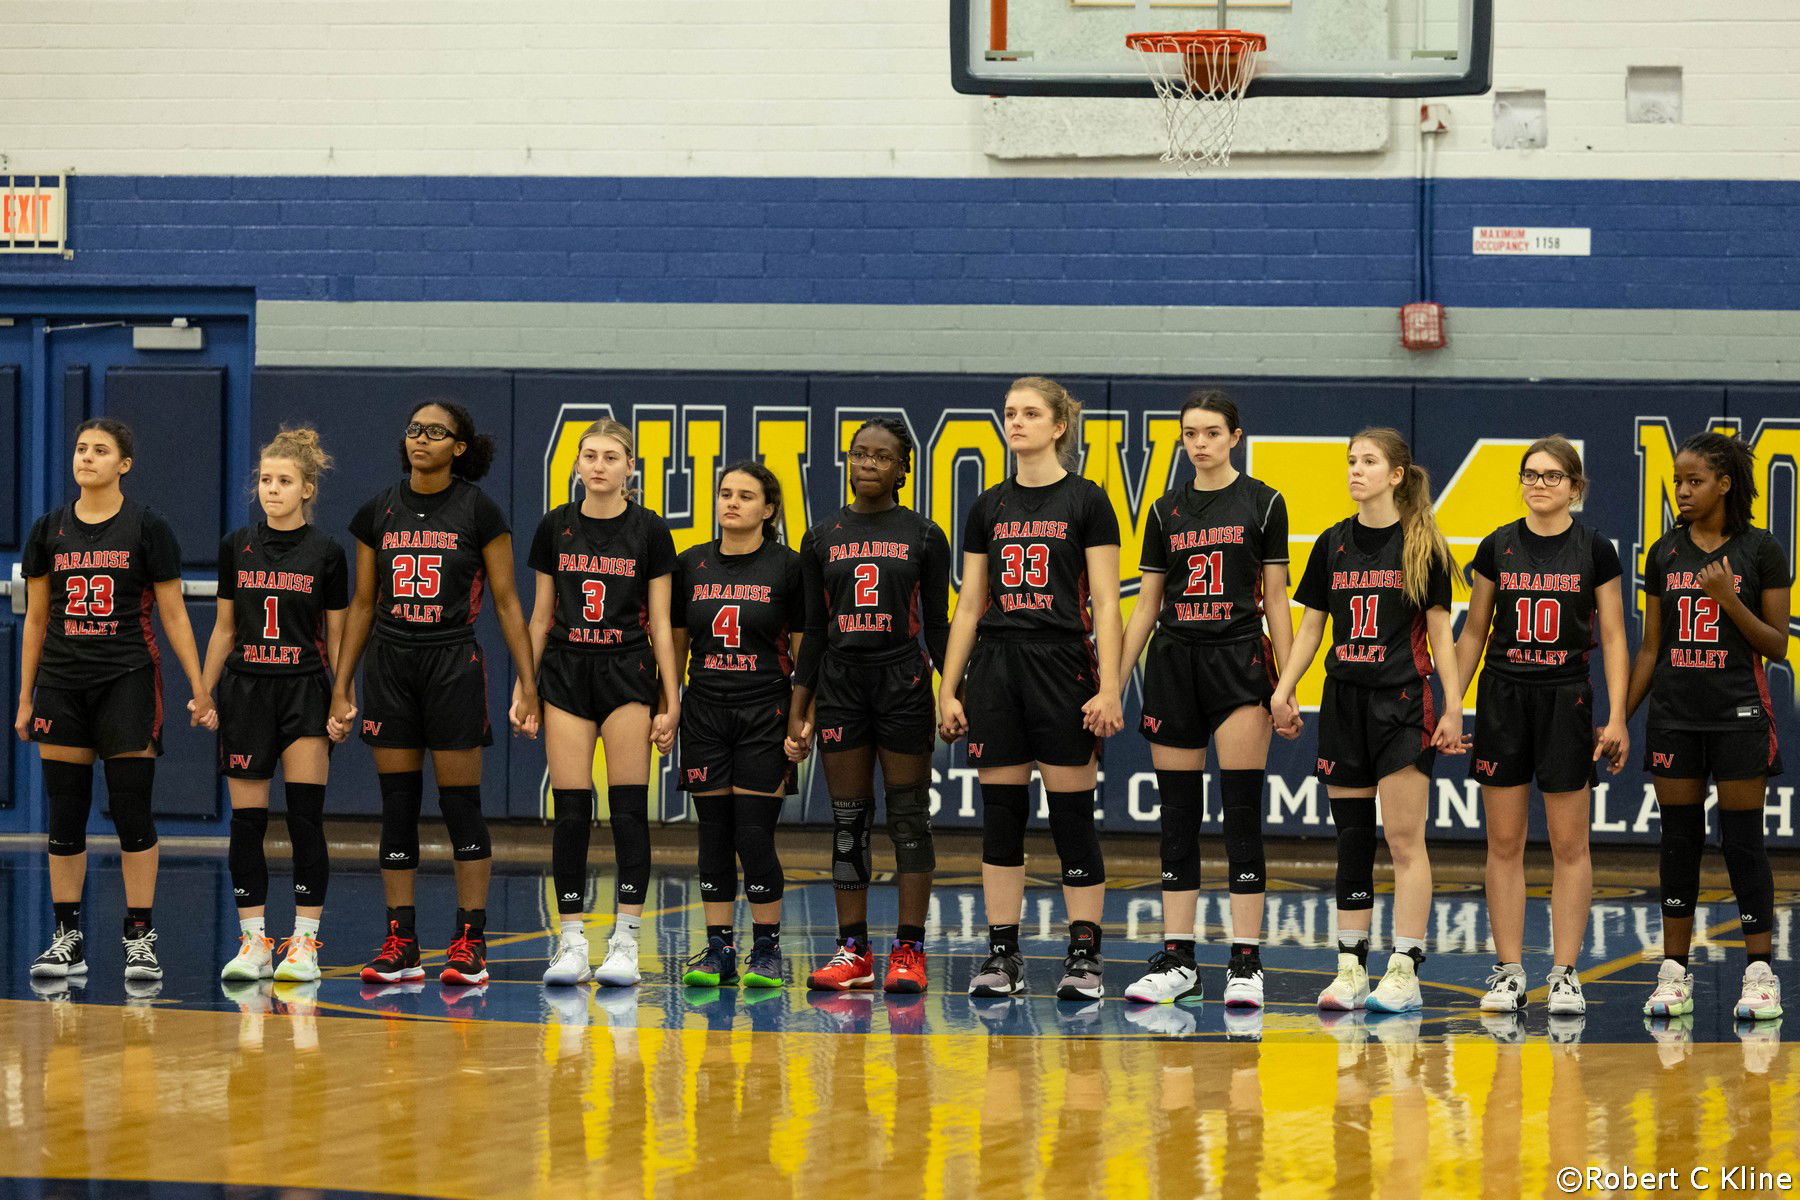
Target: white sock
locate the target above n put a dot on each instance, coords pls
(1404, 944)
(628, 926)
(306, 925)
(572, 925)
(251, 926)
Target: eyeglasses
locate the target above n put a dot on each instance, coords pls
(1548, 478)
(432, 433)
(880, 458)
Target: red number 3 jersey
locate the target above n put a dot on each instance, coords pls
(1708, 676)
(429, 573)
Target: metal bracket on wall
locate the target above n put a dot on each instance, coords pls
(15, 587)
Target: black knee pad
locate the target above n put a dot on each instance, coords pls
(306, 830)
(1183, 796)
(461, 807)
(1355, 820)
(850, 818)
(402, 796)
(754, 835)
(909, 828)
(574, 810)
(70, 788)
(718, 859)
(1683, 844)
(1747, 861)
(630, 823)
(1241, 793)
(1077, 840)
(129, 782)
(244, 855)
(1003, 810)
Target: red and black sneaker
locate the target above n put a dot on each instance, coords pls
(397, 961)
(465, 963)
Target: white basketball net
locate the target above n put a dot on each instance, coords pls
(1200, 84)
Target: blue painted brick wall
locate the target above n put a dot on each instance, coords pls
(1658, 243)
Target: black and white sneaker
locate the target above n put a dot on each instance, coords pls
(1081, 975)
(140, 956)
(1002, 974)
(1506, 989)
(64, 958)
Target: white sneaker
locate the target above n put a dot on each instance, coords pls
(255, 959)
(570, 966)
(1674, 994)
(1243, 982)
(300, 963)
(1565, 999)
(1171, 978)
(621, 966)
(1506, 989)
(1351, 987)
(1761, 998)
(1398, 990)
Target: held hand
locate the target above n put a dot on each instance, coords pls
(799, 738)
(342, 721)
(201, 713)
(662, 729)
(952, 723)
(1103, 716)
(1284, 715)
(1717, 579)
(1612, 742)
(1448, 736)
(527, 714)
(1293, 729)
(22, 723)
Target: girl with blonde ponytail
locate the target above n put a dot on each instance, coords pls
(1384, 578)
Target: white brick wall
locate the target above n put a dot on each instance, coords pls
(799, 87)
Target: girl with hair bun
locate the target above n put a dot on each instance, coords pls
(601, 639)
(1383, 577)
(1716, 592)
(283, 591)
(1040, 587)
(428, 547)
(1543, 590)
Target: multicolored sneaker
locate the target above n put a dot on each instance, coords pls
(64, 958)
(906, 970)
(1674, 994)
(1244, 981)
(397, 961)
(852, 968)
(1398, 991)
(300, 959)
(465, 962)
(255, 959)
(713, 967)
(1761, 997)
(764, 968)
(1351, 987)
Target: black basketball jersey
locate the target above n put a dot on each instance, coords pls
(1377, 634)
(1036, 541)
(1543, 607)
(429, 573)
(280, 584)
(879, 581)
(738, 610)
(601, 570)
(1708, 676)
(102, 592)
(1211, 546)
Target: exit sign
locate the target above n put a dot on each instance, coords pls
(34, 214)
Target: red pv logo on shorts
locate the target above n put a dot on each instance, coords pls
(1659, 759)
(975, 749)
(372, 728)
(696, 774)
(1486, 767)
(240, 762)
(832, 735)
(1326, 764)
(1153, 724)
(40, 724)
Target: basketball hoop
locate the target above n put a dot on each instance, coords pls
(1200, 77)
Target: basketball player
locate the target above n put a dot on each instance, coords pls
(1383, 576)
(427, 549)
(1040, 573)
(600, 635)
(283, 590)
(1715, 606)
(877, 575)
(1213, 550)
(1543, 590)
(738, 610)
(90, 685)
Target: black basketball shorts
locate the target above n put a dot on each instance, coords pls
(1526, 730)
(425, 697)
(1366, 734)
(728, 745)
(1190, 687)
(888, 706)
(120, 716)
(1023, 702)
(590, 684)
(260, 716)
(1721, 754)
